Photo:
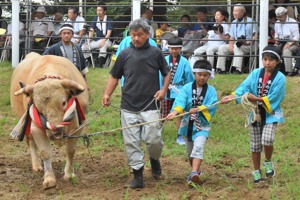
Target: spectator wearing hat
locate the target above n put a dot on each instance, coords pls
(41, 30)
(78, 23)
(103, 27)
(66, 48)
(286, 37)
(292, 11)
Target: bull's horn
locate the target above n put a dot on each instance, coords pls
(66, 83)
(25, 90)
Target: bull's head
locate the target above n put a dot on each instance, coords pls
(50, 97)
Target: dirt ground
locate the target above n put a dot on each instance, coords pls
(103, 177)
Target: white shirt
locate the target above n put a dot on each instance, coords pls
(21, 30)
(215, 39)
(287, 30)
(78, 25)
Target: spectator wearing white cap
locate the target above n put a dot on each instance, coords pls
(286, 37)
(41, 29)
(66, 48)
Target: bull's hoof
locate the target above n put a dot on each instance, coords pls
(69, 176)
(49, 181)
(37, 168)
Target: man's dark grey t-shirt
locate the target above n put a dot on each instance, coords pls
(140, 68)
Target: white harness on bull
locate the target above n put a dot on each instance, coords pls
(32, 114)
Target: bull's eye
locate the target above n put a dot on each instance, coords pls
(64, 103)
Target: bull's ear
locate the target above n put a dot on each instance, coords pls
(75, 88)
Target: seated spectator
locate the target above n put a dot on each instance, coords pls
(185, 26)
(271, 28)
(297, 66)
(162, 28)
(203, 22)
(242, 31)
(41, 30)
(200, 29)
(286, 37)
(3, 23)
(292, 11)
(21, 36)
(58, 21)
(102, 26)
(215, 38)
(148, 14)
(66, 48)
(78, 23)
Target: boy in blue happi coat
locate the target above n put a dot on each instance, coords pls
(265, 87)
(181, 74)
(197, 98)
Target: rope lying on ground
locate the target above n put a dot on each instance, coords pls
(86, 137)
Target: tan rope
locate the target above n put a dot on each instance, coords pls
(250, 107)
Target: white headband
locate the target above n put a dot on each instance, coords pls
(273, 52)
(212, 74)
(175, 46)
(66, 28)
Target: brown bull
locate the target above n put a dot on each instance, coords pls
(49, 82)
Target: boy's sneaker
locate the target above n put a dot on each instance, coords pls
(194, 177)
(257, 176)
(180, 140)
(269, 168)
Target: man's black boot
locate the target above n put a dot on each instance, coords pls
(138, 180)
(155, 168)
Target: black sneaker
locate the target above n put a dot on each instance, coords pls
(294, 73)
(237, 72)
(219, 71)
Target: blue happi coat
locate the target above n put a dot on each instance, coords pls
(182, 76)
(183, 103)
(271, 102)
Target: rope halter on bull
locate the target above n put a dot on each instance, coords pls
(32, 114)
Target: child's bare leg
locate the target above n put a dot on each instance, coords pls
(196, 163)
(256, 160)
(268, 152)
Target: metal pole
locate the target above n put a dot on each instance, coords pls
(15, 32)
(136, 9)
(263, 27)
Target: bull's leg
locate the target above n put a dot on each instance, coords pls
(35, 159)
(70, 150)
(44, 146)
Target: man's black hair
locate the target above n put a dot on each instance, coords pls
(202, 64)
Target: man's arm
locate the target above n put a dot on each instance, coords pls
(110, 88)
(160, 95)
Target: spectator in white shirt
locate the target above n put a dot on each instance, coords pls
(286, 37)
(77, 22)
(215, 38)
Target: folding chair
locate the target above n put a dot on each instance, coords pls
(5, 50)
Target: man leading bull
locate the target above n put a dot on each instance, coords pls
(140, 64)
